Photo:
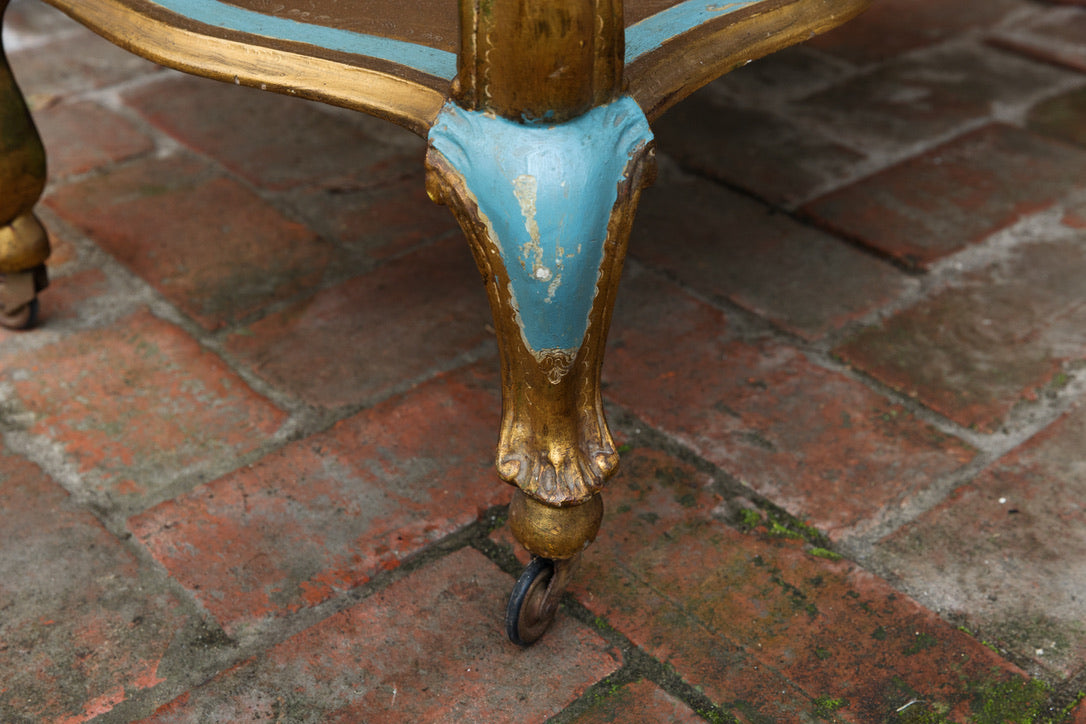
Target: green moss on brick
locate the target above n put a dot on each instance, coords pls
(749, 518)
(826, 706)
(1022, 702)
(922, 641)
(818, 552)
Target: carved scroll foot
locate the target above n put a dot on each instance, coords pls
(547, 209)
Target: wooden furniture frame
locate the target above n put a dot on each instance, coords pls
(537, 114)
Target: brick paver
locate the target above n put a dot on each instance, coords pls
(641, 700)
(761, 626)
(1062, 117)
(990, 342)
(394, 657)
(273, 141)
(936, 204)
(893, 27)
(790, 74)
(368, 335)
(208, 244)
(922, 97)
(87, 136)
(76, 62)
(764, 153)
(1003, 554)
(71, 296)
(325, 514)
(374, 224)
(1054, 37)
(816, 442)
(726, 246)
(137, 406)
(81, 630)
(247, 460)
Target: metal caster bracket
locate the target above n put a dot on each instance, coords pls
(534, 601)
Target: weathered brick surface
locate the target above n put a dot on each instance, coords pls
(426, 649)
(81, 631)
(640, 701)
(764, 153)
(274, 141)
(324, 514)
(936, 204)
(917, 98)
(726, 246)
(76, 62)
(780, 633)
(1075, 216)
(1078, 716)
(790, 74)
(68, 299)
(1003, 554)
(86, 136)
(208, 244)
(26, 22)
(819, 444)
(892, 27)
(988, 343)
(136, 406)
(343, 542)
(374, 224)
(1062, 117)
(370, 334)
(1053, 37)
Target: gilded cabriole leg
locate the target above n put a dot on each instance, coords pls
(547, 211)
(542, 160)
(24, 245)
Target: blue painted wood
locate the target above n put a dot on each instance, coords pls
(652, 32)
(217, 14)
(546, 193)
(641, 38)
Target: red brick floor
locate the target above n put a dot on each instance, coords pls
(247, 457)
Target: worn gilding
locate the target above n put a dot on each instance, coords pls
(555, 533)
(24, 245)
(657, 29)
(546, 193)
(555, 61)
(223, 15)
(554, 443)
(22, 158)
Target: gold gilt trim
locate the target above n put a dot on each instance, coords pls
(539, 60)
(554, 442)
(661, 78)
(403, 95)
(23, 244)
(398, 94)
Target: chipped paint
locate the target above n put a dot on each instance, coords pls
(545, 193)
(525, 189)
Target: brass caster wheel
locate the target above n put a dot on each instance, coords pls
(24, 317)
(535, 598)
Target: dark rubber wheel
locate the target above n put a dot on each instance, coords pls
(24, 317)
(529, 613)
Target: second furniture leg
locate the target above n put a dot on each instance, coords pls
(24, 245)
(547, 210)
